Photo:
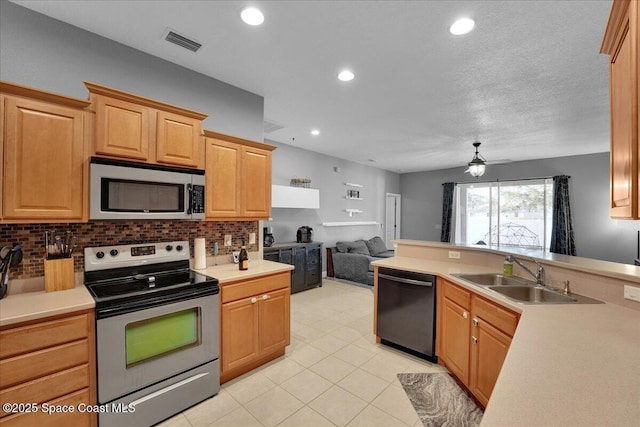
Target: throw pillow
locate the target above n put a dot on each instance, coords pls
(376, 245)
(359, 247)
(343, 247)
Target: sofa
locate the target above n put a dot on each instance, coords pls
(352, 260)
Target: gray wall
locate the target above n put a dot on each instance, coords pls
(289, 161)
(48, 54)
(597, 236)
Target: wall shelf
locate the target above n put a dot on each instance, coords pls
(346, 224)
(350, 184)
(353, 198)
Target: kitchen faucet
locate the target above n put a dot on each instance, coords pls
(539, 274)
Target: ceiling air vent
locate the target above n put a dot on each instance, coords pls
(182, 41)
(270, 127)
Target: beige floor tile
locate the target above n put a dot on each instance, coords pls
(385, 367)
(363, 384)
(306, 386)
(284, 369)
(394, 401)
(248, 387)
(346, 333)
(178, 421)
(306, 417)
(419, 367)
(238, 418)
(374, 417)
(327, 325)
(306, 333)
(332, 369)
(338, 405)
(354, 355)
(273, 407)
(212, 409)
(307, 355)
(328, 344)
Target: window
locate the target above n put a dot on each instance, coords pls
(511, 213)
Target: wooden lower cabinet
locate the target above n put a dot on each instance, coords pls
(254, 323)
(473, 338)
(52, 362)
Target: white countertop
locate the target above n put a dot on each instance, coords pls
(230, 273)
(568, 364)
(36, 305)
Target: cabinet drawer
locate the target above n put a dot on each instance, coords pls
(29, 366)
(256, 286)
(42, 335)
(62, 419)
(496, 315)
(47, 388)
(457, 295)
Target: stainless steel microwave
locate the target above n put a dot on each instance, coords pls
(130, 190)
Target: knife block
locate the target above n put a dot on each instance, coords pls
(58, 274)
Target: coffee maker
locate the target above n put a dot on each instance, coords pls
(304, 235)
(267, 237)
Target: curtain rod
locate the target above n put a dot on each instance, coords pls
(507, 180)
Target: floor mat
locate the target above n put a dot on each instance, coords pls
(439, 401)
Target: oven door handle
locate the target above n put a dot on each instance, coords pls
(168, 389)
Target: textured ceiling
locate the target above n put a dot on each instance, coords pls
(528, 82)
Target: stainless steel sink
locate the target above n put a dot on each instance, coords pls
(533, 294)
(493, 279)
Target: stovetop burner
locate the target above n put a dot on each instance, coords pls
(126, 278)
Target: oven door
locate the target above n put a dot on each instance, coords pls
(140, 348)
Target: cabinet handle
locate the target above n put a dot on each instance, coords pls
(474, 340)
(465, 314)
(265, 297)
(254, 300)
(474, 322)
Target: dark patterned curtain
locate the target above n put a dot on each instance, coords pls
(447, 209)
(562, 241)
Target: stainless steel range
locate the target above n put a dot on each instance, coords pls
(157, 331)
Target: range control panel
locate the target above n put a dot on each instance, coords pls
(117, 256)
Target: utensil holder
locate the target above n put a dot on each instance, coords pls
(58, 274)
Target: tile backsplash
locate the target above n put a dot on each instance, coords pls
(101, 233)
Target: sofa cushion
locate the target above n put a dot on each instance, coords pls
(357, 247)
(376, 246)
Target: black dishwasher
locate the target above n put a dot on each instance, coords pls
(407, 311)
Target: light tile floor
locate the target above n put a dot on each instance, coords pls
(333, 373)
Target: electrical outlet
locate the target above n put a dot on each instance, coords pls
(227, 239)
(252, 238)
(454, 254)
(632, 293)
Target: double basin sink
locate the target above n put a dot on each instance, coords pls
(524, 291)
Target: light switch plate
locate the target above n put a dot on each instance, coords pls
(252, 238)
(632, 293)
(454, 254)
(227, 239)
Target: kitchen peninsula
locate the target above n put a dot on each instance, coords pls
(568, 364)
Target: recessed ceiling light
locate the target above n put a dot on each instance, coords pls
(462, 26)
(346, 75)
(252, 16)
(315, 132)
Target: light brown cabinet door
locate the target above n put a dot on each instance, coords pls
(256, 181)
(122, 128)
(223, 177)
(274, 320)
(454, 344)
(488, 350)
(239, 333)
(179, 140)
(44, 149)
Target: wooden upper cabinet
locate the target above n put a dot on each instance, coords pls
(238, 175)
(44, 142)
(179, 140)
(137, 128)
(622, 42)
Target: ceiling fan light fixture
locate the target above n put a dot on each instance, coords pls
(252, 16)
(478, 165)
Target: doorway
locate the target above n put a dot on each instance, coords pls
(392, 219)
